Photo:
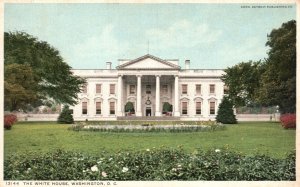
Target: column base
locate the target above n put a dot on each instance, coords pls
(138, 114)
(157, 113)
(176, 114)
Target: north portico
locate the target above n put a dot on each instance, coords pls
(149, 83)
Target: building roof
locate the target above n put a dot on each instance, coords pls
(133, 64)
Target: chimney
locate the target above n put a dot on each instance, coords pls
(187, 64)
(108, 65)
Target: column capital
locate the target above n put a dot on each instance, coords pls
(175, 75)
(139, 75)
(157, 75)
(120, 75)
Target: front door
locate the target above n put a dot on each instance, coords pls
(148, 111)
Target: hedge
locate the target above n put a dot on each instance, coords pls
(150, 164)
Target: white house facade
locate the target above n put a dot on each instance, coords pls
(149, 84)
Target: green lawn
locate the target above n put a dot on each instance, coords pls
(250, 137)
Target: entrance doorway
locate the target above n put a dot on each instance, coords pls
(148, 111)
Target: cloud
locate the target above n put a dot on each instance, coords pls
(183, 33)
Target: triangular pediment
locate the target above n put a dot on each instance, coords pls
(148, 62)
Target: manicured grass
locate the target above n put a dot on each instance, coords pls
(249, 138)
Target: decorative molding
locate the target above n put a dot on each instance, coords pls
(122, 66)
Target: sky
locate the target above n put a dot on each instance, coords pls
(211, 36)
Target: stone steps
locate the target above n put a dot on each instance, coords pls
(149, 118)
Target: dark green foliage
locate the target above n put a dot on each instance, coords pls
(271, 82)
(225, 112)
(151, 164)
(65, 116)
(243, 81)
(167, 107)
(278, 82)
(48, 75)
(129, 107)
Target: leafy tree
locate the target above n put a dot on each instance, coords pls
(19, 86)
(52, 76)
(243, 82)
(65, 116)
(278, 82)
(225, 112)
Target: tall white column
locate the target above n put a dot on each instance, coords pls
(139, 96)
(176, 99)
(157, 96)
(120, 95)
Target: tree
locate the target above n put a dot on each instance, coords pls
(65, 116)
(52, 76)
(19, 87)
(243, 82)
(225, 112)
(278, 82)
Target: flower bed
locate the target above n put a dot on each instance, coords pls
(149, 164)
(146, 127)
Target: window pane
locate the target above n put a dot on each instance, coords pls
(98, 107)
(112, 89)
(198, 89)
(165, 89)
(148, 89)
(212, 107)
(198, 107)
(84, 88)
(112, 107)
(184, 107)
(184, 89)
(98, 88)
(226, 89)
(212, 89)
(132, 89)
(84, 107)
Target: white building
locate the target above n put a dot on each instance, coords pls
(148, 82)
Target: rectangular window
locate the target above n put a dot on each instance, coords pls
(184, 88)
(212, 89)
(98, 107)
(112, 88)
(132, 89)
(148, 89)
(198, 107)
(184, 108)
(165, 89)
(226, 89)
(84, 88)
(198, 89)
(98, 88)
(212, 108)
(112, 108)
(84, 107)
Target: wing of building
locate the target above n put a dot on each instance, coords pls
(149, 86)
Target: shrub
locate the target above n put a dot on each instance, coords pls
(9, 120)
(225, 113)
(288, 121)
(149, 164)
(129, 107)
(65, 116)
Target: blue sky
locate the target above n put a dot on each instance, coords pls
(213, 36)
